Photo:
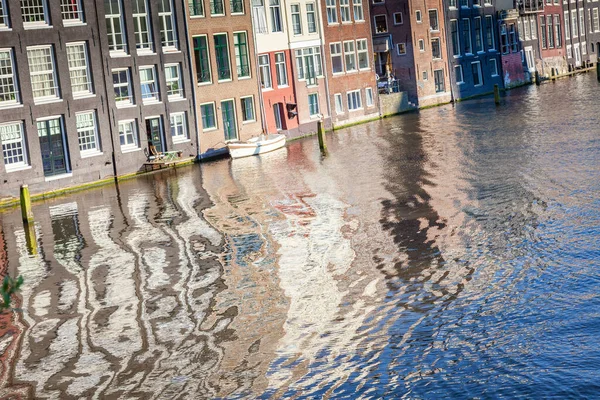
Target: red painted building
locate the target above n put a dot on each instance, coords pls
(551, 39)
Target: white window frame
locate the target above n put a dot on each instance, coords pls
(243, 107)
(596, 20)
(331, 10)
(350, 53)
(387, 29)
(155, 98)
(276, 18)
(310, 111)
(354, 99)
(130, 101)
(462, 77)
(345, 15)
(164, 18)
(179, 93)
(480, 73)
(79, 13)
(569, 51)
(339, 104)
(21, 147)
(439, 47)
(425, 75)
(5, 77)
(401, 45)
(52, 72)
(583, 48)
(4, 16)
(295, 11)
(358, 11)
(133, 146)
(141, 45)
(216, 119)
(401, 18)
(370, 101)
(419, 16)
(311, 10)
(91, 132)
(80, 71)
(338, 53)
(281, 70)
(494, 63)
(179, 129)
(437, 18)
(121, 49)
(36, 24)
(421, 43)
(265, 72)
(581, 23)
(362, 47)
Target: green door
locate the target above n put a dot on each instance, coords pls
(229, 125)
(154, 132)
(53, 147)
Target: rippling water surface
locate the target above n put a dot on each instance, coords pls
(451, 253)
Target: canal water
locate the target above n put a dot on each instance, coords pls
(451, 253)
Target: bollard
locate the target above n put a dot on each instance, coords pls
(26, 211)
(321, 134)
(30, 238)
(553, 74)
(496, 94)
(598, 69)
(537, 78)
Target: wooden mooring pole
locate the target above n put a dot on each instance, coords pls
(537, 78)
(321, 135)
(496, 94)
(598, 69)
(26, 211)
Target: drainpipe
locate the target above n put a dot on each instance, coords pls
(263, 116)
(108, 110)
(191, 73)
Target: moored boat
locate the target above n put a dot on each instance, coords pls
(257, 145)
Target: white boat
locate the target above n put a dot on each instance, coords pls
(258, 145)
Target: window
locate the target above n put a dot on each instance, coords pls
(13, 145)
(202, 60)
(493, 67)
(358, 10)
(454, 37)
(179, 131)
(543, 30)
(247, 109)
(574, 23)
(581, 23)
(567, 28)
(122, 86)
(275, 16)
(349, 56)
(354, 100)
(9, 90)
(308, 62)
(424, 75)
(207, 111)
(476, 70)
(265, 71)
(259, 16)
(71, 12)
(311, 18)
(43, 75)
(141, 25)
(81, 82)
(421, 45)
(149, 84)
(476, 3)
(436, 51)
(557, 31)
(345, 10)
(114, 26)
(526, 34)
(196, 8)
(128, 135)
(217, 7)
(336, 58)
(533, 27)
(240, 44)
(339, 104)
(590, 25)
(280, 69)
(596, 22)
(331, 12)
(512, 36)
(466, 26)
(4, 18)
(401, 48)
(369, 95)
(478, 34)
(296, 20)
(489, 32)
(433, 20)
(174, 82)
(458, 74)
(237, 6)
(222, 56)
(452, 3)
(464, 3)
(398, 18)
(35, 13)
(313, 104)
(569, 51)
(363, 53)
(380, 24)
(583, 48)
(87, 133)
(438, 78)
(168, 36)
(418, 16)
(378, 1)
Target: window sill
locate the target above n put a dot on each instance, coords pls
(171, 50)
(210, 129)
(197, 16)
(83, 96)
(118, 54)
(76, 23)
(125, 105)
(176, 99)
(180, 141)
(332, 23)
(266, 89)
(49, 101)
(17, 169)
(41, 26)
(250, 121)
(91, 154)
(238, 13)
(5, 29)
(125, 150)
(151, 102)
(204, 83)
(224, 80)
(360, 21)
(243, 78)
(356, 109)
(381, 33)
(217, 15)
(57, 177)
(10, 105)
(145, 52)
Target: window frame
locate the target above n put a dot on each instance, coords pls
(313, 109)
(296, 19)
(54, 72)
(275, 13)
(194, 6)
(114, 49)
(221, 56)
(156, 94)
(369, 99)
(15, 80)
(398, 45)
(437, 83)
(133, 146)
(22, 142)
(364, 51)
(356, 97)
(96, 138)
(164, 17)
(435, 28)
(86, 70)
(214, 116)
(479, 73)
(72, 21)
(265, 72)
(143, 47)
(439, 47)
(331, 11)
(339, 54)
(401, 18)
(338, 110)
(281, 73)
(494, 62)
(179, 94)
(243, 108)
(377, 32)
(314, 17)
(174, 124)
(131, 101)
(350, 53)
(345, 14)
(239, 57)
(198, 61)
(357, 8)
(36, 24)
(462, 77)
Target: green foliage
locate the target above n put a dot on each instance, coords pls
(10, 286)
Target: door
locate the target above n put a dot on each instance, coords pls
(229, 123)
(277, 113)
(155, 133)
(577, 55)
(53, 147)
(529, 58)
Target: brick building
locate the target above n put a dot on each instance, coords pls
(349, 69)
(582, 32)
(225, 75)
(530, 46)
(86, 85)
(410, 43)
(513, 67)
(551, 39)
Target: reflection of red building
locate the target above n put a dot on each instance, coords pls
(277, 85)
(513, 70)
(551, 37)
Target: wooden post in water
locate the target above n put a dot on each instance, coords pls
(496, 94)
(537, 78)
(26, 211)
(598, 69)
(321, 135)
